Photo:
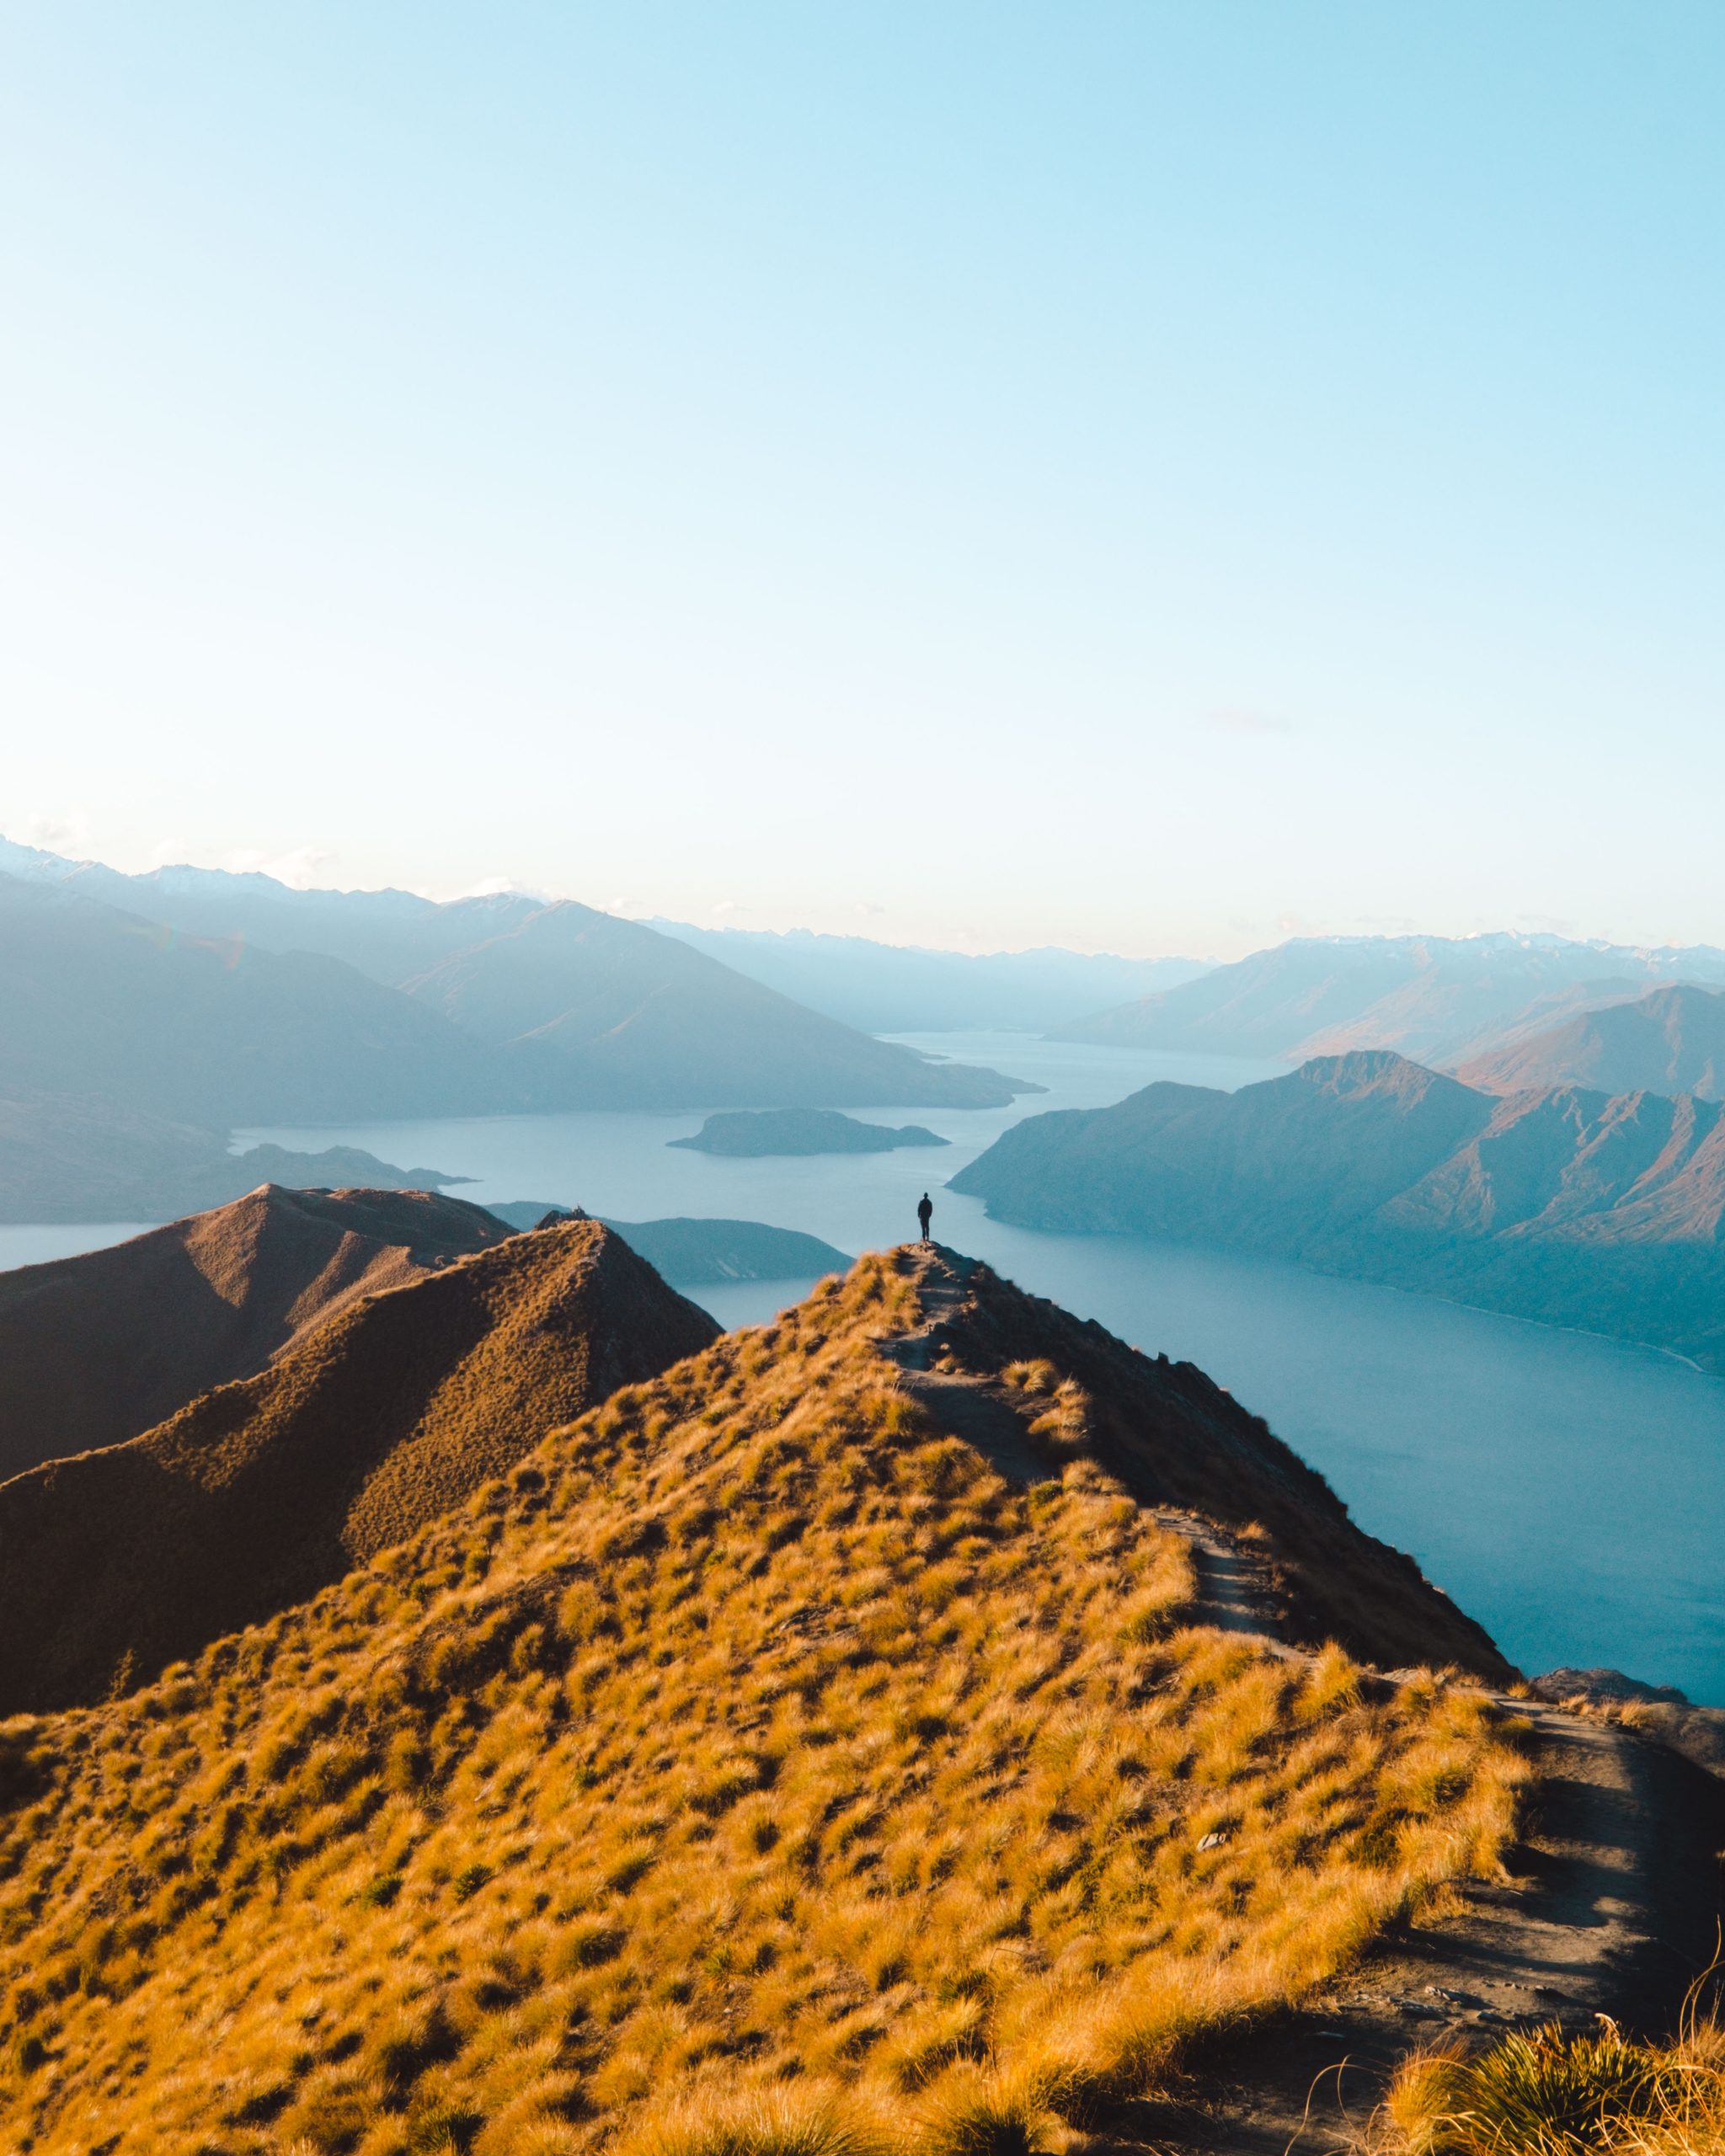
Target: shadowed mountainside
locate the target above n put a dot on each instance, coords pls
(114, 1563)
(100, 1346)
(1577, 1208)
(1437, 1000)
(1670, 1042)
(857, 1714)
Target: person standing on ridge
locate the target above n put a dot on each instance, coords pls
(925, 1214)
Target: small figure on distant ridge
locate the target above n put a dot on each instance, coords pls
(925, 1214)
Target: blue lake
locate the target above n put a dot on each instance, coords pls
(1569, 1491)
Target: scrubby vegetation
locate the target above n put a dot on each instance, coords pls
(755, 1770)
(1546, 2094)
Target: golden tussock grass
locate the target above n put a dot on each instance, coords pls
(1547, 2093)
(753, 1770)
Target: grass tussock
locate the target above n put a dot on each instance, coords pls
(1546, 2094)
(753, 1770)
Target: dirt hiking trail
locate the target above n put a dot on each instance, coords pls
(1612, 1907)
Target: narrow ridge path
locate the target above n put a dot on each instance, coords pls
(1611, 1907)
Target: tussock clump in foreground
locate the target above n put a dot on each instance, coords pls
(756, 1768)
(1547, 2094)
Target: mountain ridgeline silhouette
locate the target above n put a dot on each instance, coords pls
(394, 1407)
(1603, 1211)
(499, 1007)
(100, 1347)
(1437, 1000)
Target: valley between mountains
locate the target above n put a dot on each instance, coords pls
(458, 1700)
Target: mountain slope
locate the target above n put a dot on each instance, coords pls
(94, 1001)
(616, 1015)
(515, 1004)
(79, 1157)
(1579, 1208)
(1670, 1042)
(776, 1742)
(100, 1347)
(1436, 999)
(114, 1563)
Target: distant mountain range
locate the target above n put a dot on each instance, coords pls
(219, 999)
(1578, 1208)
(1440, 1000)
(95, 1001)
(613, 1015)
(889, 988)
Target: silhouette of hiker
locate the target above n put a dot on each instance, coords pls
(925, 1214)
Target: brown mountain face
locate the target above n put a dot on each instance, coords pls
(1607, 1211)
(1670, 1042)
(99, 1348)
(114, 1563)
(905, 1702)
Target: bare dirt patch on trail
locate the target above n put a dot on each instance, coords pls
(1611, 1908)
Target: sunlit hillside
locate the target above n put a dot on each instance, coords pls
(762, 1764)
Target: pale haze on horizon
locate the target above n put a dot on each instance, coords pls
(1148, 478)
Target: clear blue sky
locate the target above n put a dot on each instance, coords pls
(1141, 476)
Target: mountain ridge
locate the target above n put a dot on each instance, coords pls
(484, 1006)
(1671, 1041)
(257, 1494)
(1437, 1000)
(100, 1347)
(782, 1693)
(1573, 1206)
